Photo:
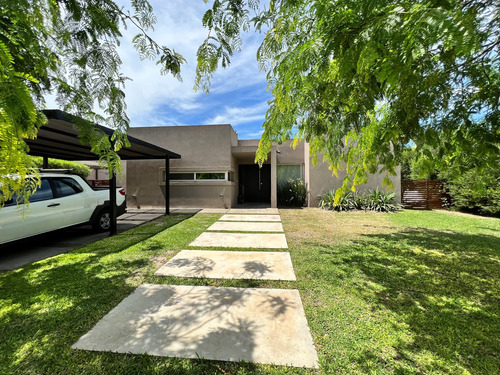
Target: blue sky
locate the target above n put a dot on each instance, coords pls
(238, 94)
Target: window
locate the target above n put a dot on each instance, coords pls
(66, 186)
(180, 176)
(11, 201)
(196, 176)
(44, 192)
(220, 176)
(286, 172)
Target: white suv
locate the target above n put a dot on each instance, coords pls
(61, 201)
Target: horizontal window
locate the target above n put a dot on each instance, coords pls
(181, 177)
(220, 176)
(197, 176)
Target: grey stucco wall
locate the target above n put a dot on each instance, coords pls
(202, 148)
(321, 179)
(286, 154)
(217, 148)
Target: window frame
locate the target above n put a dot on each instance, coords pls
(227, 176)
(58, 193)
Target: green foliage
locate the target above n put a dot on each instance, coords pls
(69, 49)
(345, 202)
(80, 169)
(292, 193)
(479, 194)
(415, 168)
(372, 200)
(380, 201)
(475, 190)
(372, 287)
(360, 79)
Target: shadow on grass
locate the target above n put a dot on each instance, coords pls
(46, 306)
(442, 285)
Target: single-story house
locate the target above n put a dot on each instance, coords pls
(217, 170)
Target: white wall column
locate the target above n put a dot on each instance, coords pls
(274, 180)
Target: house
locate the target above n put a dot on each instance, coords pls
(217, 170)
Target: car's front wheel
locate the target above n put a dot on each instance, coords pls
(102, 222)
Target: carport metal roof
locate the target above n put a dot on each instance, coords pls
(59, 139)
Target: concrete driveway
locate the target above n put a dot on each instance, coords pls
(19, 253)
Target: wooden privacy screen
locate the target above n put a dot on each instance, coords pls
(423, 194)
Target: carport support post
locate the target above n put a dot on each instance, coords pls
(167, 185)
(45, 163)
(274, 183)
(112, 203)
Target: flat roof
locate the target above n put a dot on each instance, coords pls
(60, 139)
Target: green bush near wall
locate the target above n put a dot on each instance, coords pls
(292, 193)
(372, 200)
(77, 168)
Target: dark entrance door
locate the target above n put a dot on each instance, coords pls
(254, 183)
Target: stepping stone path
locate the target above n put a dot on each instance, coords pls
(236, 226)
(227, 324)
(260, 265)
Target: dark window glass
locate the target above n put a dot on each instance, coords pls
(286, 172)
(211, 176)
(11, 201)
(43, 193)
(67, 186)
(182, 176)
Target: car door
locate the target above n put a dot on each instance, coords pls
(73, 207)
(39, 217)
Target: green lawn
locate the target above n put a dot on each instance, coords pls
(412, 292)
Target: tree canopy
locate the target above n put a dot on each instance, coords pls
(67, 48)
(362, 79)
(358, 79)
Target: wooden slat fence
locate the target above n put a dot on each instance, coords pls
(423, 194)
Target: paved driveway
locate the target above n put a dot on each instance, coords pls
(19, 253)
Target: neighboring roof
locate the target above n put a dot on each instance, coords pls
(59, 139)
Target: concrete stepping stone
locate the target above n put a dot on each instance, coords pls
(246, 240)
(226, 324)
(265, 211)
(255, 265)
(246, 226)
(232, 217)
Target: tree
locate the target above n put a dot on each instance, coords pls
(472, 189)
(361, 79)
(67, 48)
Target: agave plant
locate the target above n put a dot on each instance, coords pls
(346, 201)
(373, 200)
(380, 201)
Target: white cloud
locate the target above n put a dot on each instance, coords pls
(240, 115)
(179, 27)
(255, 134)
(153, 99)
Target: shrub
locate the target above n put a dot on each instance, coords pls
(373, 200)
(77, 168)
(479, 194)
(380, 201)
(292, 192)
(346, 202)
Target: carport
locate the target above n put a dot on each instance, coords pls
(60, 139)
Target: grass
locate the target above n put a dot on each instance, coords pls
(411, 292)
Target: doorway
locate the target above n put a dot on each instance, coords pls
(254, 183)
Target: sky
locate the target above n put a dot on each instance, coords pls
(238, 93)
